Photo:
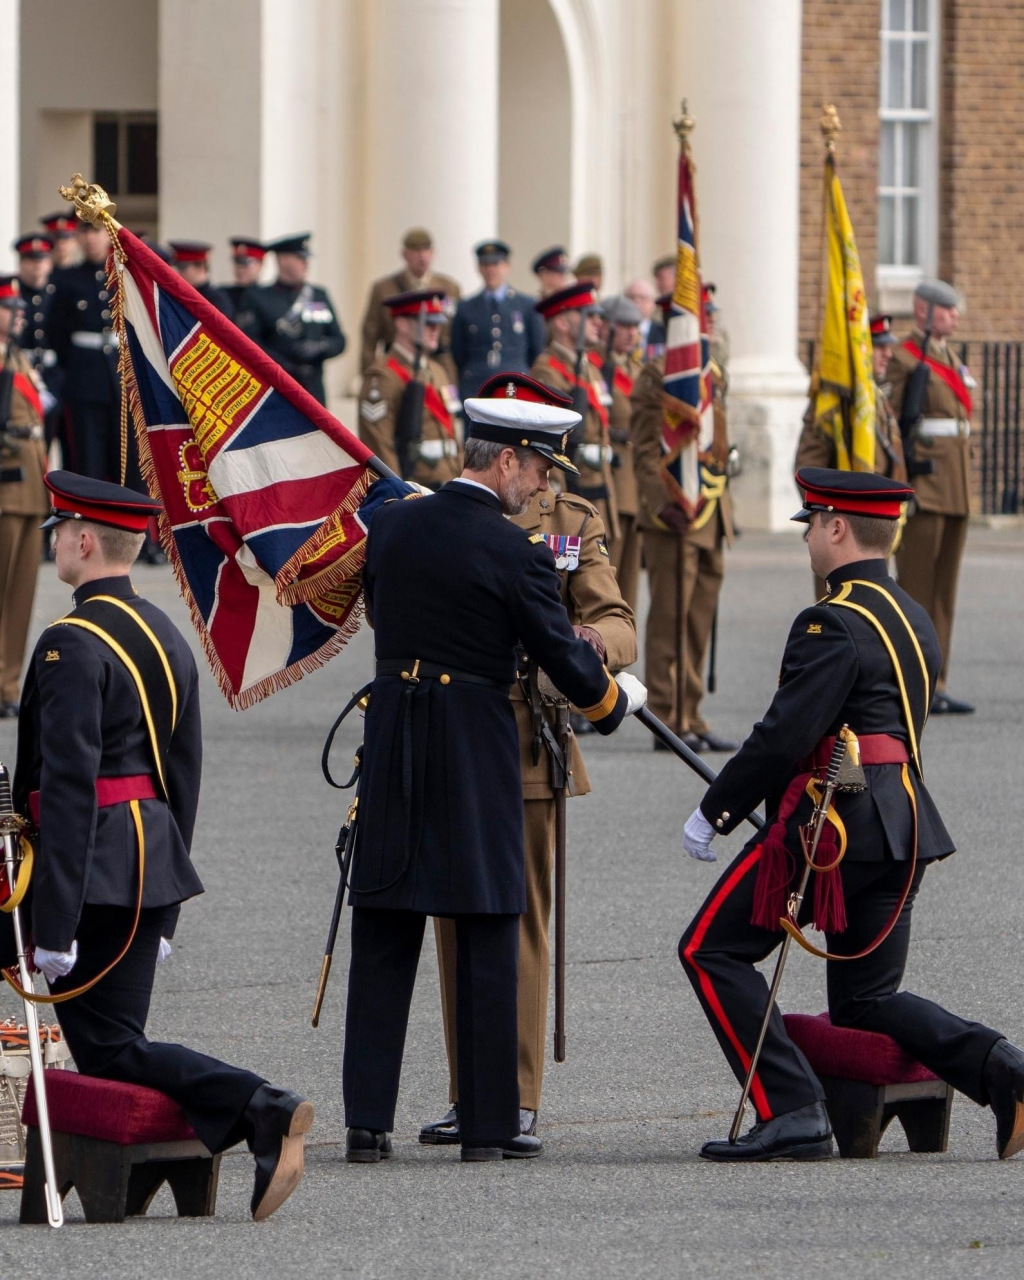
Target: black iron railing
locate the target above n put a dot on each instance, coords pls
(998, 369)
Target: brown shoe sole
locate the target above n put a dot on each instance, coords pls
(290, 1164)
(1015, 1142)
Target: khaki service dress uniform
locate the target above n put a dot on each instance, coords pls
(378, 329)
(24, 502)
(704, 560)
(928, 559)
(555, 366)
(592, 598)
(626, 550)
(384, 383)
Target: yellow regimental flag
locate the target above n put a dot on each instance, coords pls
(843, 383)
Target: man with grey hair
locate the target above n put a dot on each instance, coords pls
(930, 393)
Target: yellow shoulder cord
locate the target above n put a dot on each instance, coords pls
(86, 986)
(796, 934)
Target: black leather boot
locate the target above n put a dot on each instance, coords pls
(367, 1146)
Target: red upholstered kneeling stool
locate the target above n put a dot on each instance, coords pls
(868, 1079)
(116, 1144)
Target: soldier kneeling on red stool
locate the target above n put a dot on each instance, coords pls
(108, 767)
(866, 656)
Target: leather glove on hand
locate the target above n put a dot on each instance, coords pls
(697, 836)
(674, 518)
(55, 964)
(163, 951)
(636, 693)
(593, 638)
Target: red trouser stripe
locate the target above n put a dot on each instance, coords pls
(757, 1093)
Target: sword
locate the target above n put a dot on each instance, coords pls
(809, 835)
(562, 736)
(10, 827)
(344, 848)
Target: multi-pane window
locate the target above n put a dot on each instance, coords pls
(907, 181)
(125, 154)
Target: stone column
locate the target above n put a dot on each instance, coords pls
(9, 118)
(431, 117)
(739, 67)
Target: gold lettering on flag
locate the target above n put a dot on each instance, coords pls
(214, 390)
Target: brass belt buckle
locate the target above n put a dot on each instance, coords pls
(412, 676)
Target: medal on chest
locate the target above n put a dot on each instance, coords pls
(565, 548)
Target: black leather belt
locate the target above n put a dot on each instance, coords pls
(414, 670)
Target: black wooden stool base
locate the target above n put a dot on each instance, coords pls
(116, 1181)
(861, 1113)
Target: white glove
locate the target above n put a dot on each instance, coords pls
(697, 836)
(163, 951)
(636, 693)
(424, 492)
(55, 964)
(592, 456)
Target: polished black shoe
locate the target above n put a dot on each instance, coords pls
(712, 742)
(581, 726)
(367, 1146)
(279, 1121)
(524, 1147)
(804, 1134)
(694, 741)
(944, 705)
(1003, 1075)
(443, 1132)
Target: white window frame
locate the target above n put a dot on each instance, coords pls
(895, 283)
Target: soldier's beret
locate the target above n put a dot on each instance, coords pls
(244, 247)
(663, 264)
(488, 251)
(430, 301)
(417, 238)
(937, 292)
(857, 493)
(188, 251)
(60, 225)
(33, 246)
(297, 244)
(553, 259)
(620, 310)
(574, 297)
(78, 497)
(589, 267)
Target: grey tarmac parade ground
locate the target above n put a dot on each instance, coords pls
(619, 1190)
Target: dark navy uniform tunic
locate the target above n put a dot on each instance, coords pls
(490, 334)
(450, 581)
(298, 328)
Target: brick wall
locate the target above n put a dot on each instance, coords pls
(981, 151)
(840, 65)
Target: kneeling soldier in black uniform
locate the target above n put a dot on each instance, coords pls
(109, 759)
(865, 656)
(452, 588)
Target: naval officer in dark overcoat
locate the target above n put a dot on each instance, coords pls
(865, 656)
(452, 588)
(109, 762)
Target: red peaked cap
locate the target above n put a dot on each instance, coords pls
(60, 224)
(242, 247)
(189, 250)
(520, 386)
(855, 493)
(574, 297)
(33, 245)
(78, 497)
(409, 303)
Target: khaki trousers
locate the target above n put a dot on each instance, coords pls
(534, 959)
(928, 564)
(665, 554)
(21, 545)
(625, 558)
(703, 571)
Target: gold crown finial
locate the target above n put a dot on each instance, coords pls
(92, 204)
(684, 126)
(830, 126)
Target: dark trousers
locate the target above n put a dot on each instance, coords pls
(385, 953)
(721, 947)
(106, 1027)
